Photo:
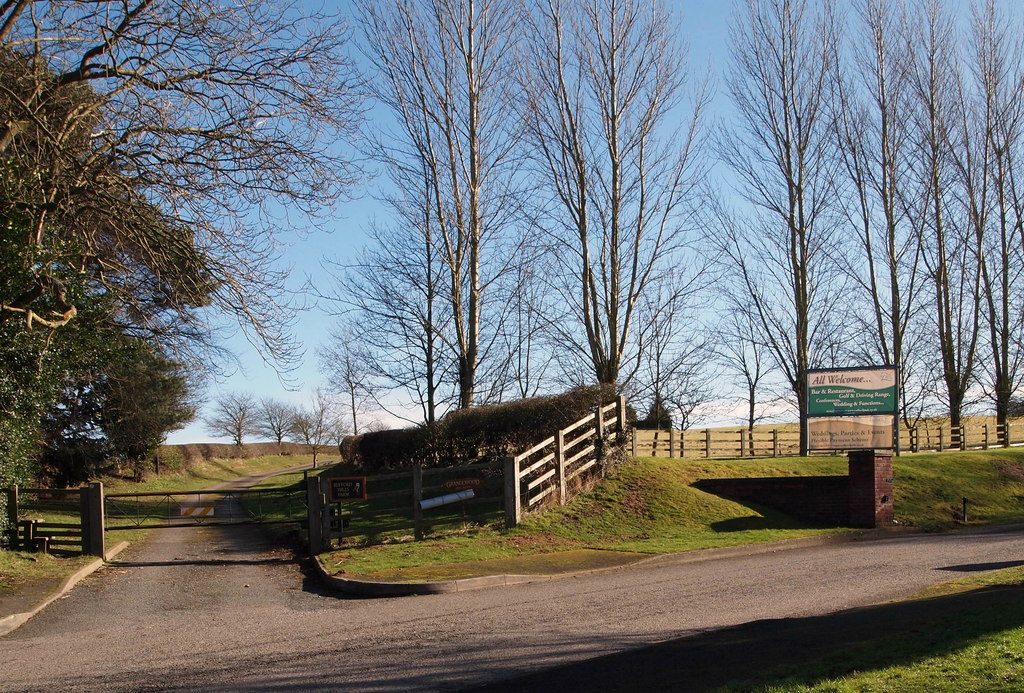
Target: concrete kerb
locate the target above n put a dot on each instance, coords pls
(369, 588)
(9, 623)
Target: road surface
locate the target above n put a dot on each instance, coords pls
(220, 609)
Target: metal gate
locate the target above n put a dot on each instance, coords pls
(157, 510)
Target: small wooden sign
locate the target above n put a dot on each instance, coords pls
(463, 484)
(346, 488)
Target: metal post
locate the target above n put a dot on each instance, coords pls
(513, 512)
(417, 496)
(964, 501)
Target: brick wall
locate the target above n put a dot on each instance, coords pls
(822, 499)
(861, 499)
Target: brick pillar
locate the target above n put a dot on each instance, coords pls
(871, 488)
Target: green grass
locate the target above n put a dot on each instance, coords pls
(961, 649)
(650, 507)
(19, 568)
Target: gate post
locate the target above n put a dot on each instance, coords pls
(12, 515)
(513, 512)
(316, 505)
(91, 498)
(417, 496)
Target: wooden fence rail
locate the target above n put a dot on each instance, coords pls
(394, 501)
(785, 441)
(65, 520)
(554, 469)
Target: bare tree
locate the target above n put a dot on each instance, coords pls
(991, 132)
(235, 415)
(950, 252)
(443, 71)
(737, 350)
(675, 351)
(197, 117)
(317, 425)
(392, 292)
(273, 419)
(349, 373)
(602, 80)
(783, 57)
(874, 131)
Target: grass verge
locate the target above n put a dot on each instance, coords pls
(974, 642)
(649, 507)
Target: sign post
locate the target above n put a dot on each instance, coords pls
(852, 408)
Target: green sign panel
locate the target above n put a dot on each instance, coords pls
(851, 391)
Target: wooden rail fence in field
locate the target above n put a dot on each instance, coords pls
(780, 442)
(556, 467)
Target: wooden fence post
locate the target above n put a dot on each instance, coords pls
(1006, 434)
(316, 508)
(707, 442)
(513, 513)
(91, 499)
(560, 466)
(775, 442)
(940, 438)
(417, 496)
(12, 515)
(743, 442)
(986, 443)
(671, 442)
(633, 443)
(599, 443)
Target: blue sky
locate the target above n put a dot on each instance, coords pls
(704, 27)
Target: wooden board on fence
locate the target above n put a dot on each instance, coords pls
(346, 488)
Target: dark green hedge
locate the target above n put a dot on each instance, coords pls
(477, 434)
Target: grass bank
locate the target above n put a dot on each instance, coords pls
(649, 507)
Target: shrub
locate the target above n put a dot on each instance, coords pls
(477, 434)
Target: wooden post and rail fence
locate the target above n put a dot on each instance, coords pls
(554, 470)
(763, 441)
(74, 521)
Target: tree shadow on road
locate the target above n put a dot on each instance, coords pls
(796, 650)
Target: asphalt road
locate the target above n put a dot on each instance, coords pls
(218, 609)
